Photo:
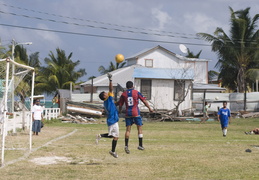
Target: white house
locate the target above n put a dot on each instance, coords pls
(160, 75)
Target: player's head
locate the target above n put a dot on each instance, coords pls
(103, 95)
(225, 104)
(129, 85)
(206, 103)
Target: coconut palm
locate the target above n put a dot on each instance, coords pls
(20, 56)
(59, 72)
(112, 67)
(191, 55)
(212, 75)
(236, 51)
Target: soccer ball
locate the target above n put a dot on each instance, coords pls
(217, 98)
(119, 58)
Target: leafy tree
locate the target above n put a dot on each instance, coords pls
(2, 52)
(20, 56)
(59, 72)
(191, 55)
(92, 77)
(112, 67)
(237, 51)
(213, 74)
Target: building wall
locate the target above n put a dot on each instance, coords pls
(201, 72)
(163, 95)
(161, 59)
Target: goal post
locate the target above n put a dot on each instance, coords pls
(15, 80)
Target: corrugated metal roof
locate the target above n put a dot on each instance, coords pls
(207, 87)
(163, 73)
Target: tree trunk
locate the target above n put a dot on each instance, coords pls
(241, 80)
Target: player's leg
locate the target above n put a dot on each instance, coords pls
(129, 122)
(140, 137)
(224, 130)
(127, 134)
(138, 122)
(114, 132)
(224, 125)
(105, 135)
(114, 144)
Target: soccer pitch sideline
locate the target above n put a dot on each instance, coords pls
(174, 150)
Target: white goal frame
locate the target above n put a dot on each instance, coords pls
(8, 85)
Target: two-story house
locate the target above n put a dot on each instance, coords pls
(162, 76)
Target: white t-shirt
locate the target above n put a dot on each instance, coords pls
(37, 111)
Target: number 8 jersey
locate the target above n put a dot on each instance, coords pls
(131, 99)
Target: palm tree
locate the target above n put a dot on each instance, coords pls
(20, 56)
(236, 52)
(213, 74)
(191, 55)
(59, 73)
(112, 67)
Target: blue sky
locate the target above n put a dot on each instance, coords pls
(96, 30)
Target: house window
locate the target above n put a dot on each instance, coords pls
(145, 88)
(179, 90)
(149, 62)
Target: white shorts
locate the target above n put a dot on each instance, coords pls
(114, 130)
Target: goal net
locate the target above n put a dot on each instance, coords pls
(16, 85)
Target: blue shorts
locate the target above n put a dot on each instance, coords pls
(224, 124)
(134, 120)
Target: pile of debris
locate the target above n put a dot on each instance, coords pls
(249, 114)
(77, 119)
(89, 109)
(171, 115)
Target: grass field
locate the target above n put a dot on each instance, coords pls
(174, 150)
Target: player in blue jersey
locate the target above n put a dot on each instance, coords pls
(224, 118)
(112, 118)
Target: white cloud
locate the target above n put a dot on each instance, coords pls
(201, 23)
(48, 37)
(162, 17)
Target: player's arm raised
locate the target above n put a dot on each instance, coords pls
(110, 82)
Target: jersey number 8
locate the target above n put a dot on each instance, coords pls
(130, 101)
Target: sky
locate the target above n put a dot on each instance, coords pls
(96, 30)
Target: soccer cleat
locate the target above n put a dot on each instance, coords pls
(141, 148)
(98, 137)
(247, 133)
(114, 154)
(127, 149)
(224, 135)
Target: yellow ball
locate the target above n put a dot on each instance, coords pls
(119, 58)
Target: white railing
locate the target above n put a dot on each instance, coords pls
(18, 120)
(22, 119)
(51, 113)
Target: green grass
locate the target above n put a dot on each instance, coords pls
(174, 150)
